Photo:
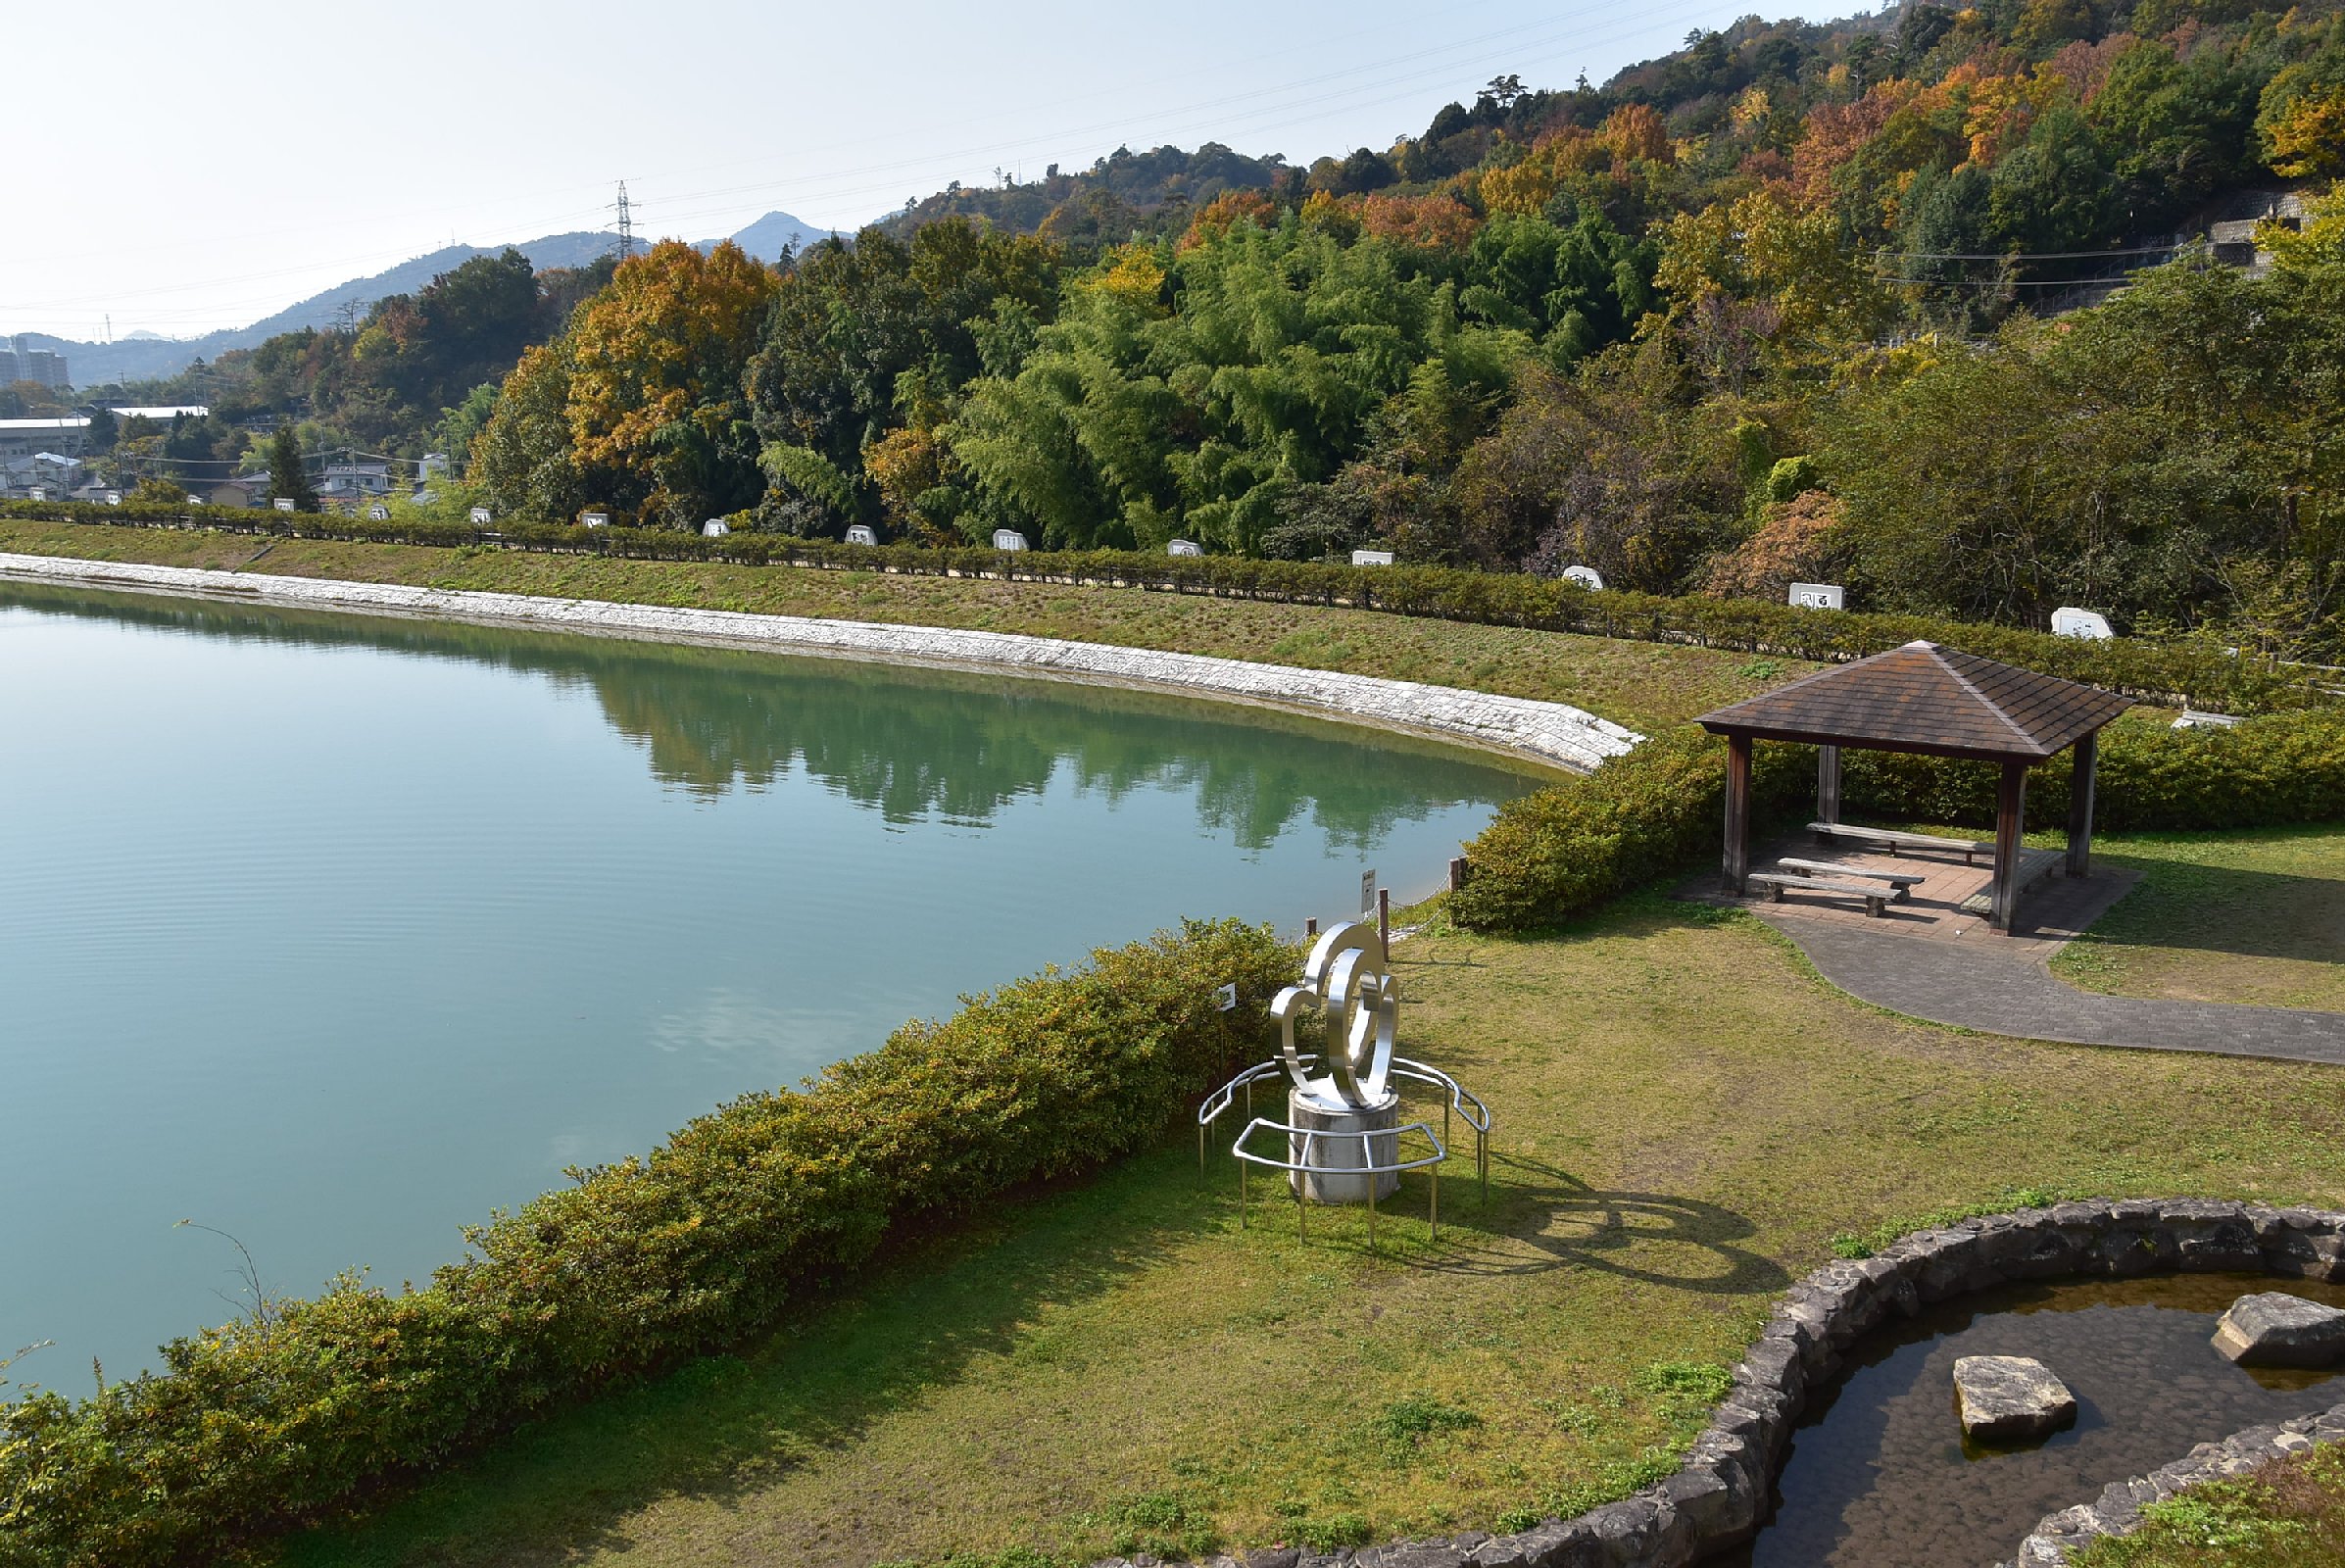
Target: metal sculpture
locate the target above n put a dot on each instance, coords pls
(1347, 979)
(1342, 1140)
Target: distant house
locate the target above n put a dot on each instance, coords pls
(348, 483)
(51, 473)
(64, 434)
(2233, 238)
(245, 490)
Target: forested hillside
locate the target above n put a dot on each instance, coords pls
(1777, 305)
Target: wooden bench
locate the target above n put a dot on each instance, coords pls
(1877, 900)
(1881, 838)
(1903, 881)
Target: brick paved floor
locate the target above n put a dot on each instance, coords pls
(1930, 959)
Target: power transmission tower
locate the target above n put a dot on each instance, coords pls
(626, 225)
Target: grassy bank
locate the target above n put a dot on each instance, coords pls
(1686, 1119)
(1639, 684)
(2256, 917)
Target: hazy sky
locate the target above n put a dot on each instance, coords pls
(188, 167)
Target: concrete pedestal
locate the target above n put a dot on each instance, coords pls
(1327, 1113)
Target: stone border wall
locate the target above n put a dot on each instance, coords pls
(1720, 1493)
(2118, 1512)
(1554, 733)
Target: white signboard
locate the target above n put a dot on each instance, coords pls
(2193, 719)
(1368, 892)
(40, 492)
(113, 498)
(2070, 621)
(1819, 596)
(284, 503)
(1372, 558)
(1226, 996)
(1184, 546)
(1586, 577)
(378, 513)
(1009, 539)
(861, 534)
(716, 528)
(594, 519)
(481, 518)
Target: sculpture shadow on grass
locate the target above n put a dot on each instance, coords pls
(1541, 1218)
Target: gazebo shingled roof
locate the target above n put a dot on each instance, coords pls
(1940, 701)
(1926, 698)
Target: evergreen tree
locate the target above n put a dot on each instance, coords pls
(286, 476)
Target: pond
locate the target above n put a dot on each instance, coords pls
(332, 933)
(1880, 1474)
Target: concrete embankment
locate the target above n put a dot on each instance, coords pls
(1553, 733)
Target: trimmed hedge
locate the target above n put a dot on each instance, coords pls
(2159, 673)
(1558, 854)
(640, 1263)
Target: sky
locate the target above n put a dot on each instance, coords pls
(204, 166)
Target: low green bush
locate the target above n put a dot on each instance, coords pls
(1557, 854)
(255, 1425)
(2164, 672)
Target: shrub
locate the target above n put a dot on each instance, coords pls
(2164, 672)
(638, 1264)
(1559, 853)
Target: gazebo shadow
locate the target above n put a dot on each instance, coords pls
(2275, 916)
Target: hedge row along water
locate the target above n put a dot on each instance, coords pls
(1558, 854)
(642, 1263)
(2162, 672)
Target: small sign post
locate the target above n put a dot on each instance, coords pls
(1368, 891)
(1818, 596)
(1226, 996)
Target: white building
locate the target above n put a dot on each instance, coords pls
(50, 472)
(67, 435)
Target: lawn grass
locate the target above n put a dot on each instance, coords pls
(2289, 1513)
(1644, 685)
(1686, 1119)
(2256, 917)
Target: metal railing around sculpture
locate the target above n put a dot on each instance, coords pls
(1347, 980)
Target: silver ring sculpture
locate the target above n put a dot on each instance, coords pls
(1347, 980)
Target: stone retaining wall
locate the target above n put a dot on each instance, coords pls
(2118, 1512)
(1720, 1495)
(1555, 733)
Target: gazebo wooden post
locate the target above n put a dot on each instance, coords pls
(2079, 805)
(1738, 847)
(1827, 783)
(2011, 813)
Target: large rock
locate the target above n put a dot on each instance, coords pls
(2007, 1398)
(2277, 1329)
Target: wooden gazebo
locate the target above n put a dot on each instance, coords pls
(1934, 700)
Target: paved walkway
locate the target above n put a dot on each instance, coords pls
(1968, 985)
(1933, 956)
(1550, 732)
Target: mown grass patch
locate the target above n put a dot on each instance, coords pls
(1644, 685)
(1687, 1119)
(2255, 916)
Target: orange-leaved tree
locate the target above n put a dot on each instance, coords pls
(655, 375)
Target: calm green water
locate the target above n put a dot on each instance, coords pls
(334, 933)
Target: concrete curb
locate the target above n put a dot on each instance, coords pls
(1554, 733)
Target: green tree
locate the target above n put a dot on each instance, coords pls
(288, 479)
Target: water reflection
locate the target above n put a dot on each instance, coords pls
(909, 744)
